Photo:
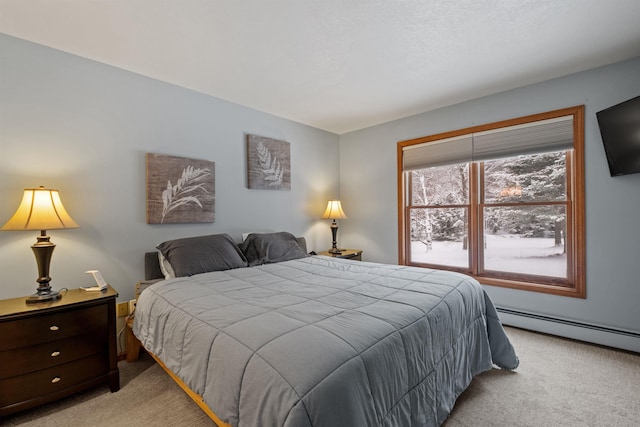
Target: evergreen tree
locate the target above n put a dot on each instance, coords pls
(526, 178)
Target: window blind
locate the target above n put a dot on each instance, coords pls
(549, 135)
(437, 153)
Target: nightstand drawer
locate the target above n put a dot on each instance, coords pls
(36, 357)
(52, 327)
(47, 381)
(52, 350)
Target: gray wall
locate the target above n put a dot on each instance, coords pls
(369, 190)
(84, 128)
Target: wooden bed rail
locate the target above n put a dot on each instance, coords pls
(192, 394)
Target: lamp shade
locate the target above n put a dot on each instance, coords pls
(40, 209)
(334, 210)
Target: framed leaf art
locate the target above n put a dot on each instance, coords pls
(268, 164)
(179, 190)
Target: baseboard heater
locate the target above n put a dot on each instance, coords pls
(612, 337)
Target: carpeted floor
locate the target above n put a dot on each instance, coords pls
(559, 383)
(147, 397)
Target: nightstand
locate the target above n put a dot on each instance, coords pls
(354, 254)
(53, 350)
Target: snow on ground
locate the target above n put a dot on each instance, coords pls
(509, 253)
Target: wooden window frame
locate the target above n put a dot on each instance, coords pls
(575, 285)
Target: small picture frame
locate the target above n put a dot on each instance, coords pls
(101, 284)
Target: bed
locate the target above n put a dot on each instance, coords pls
(266, 335)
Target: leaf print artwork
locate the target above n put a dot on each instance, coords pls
(270, 167)
(185, 191)
(179, 190)
(268, 163)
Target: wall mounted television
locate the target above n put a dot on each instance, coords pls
(620, 130)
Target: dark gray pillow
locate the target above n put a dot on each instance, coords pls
(265, 248)
(202, 254)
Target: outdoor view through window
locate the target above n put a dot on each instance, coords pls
(502, 202)
(523, 215)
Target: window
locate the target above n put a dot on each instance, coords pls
(502, 202)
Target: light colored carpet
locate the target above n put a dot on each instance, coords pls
(559, 383)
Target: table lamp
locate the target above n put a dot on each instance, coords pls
(41, 209)
(334, 211)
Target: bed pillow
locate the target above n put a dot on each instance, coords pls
(266, 248)
(202, 254)
(165, 267)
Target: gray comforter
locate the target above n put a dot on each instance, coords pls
(325, 342)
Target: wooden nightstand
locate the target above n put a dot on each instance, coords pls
(52, 350)
(354, 254)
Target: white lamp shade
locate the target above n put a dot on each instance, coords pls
(334, 210)
(40, 209)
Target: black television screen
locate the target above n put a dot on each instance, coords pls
(620, 130)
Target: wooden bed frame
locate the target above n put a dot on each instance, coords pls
(153, 275)
(133, 352)
(192, 394)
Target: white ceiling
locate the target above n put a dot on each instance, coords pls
(338, 65)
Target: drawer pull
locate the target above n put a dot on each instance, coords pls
(55, 380)
(53, 328)
(55, 354)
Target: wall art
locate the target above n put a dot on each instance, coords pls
(179, 190)
(268, 163)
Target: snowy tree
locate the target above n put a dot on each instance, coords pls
(511, 184)
(528, 178)
(439, 186)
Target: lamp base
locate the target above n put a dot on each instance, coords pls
(334, 233)
(43, 297)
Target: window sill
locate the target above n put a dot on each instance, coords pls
(567, 291)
